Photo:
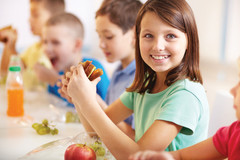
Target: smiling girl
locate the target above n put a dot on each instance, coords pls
(167, 97)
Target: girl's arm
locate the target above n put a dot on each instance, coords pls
(157, 137)
(84, 122)
(126, 128)
(203, 150)
(120, 145)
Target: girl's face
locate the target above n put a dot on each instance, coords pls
(235, 91)
(162, 47)
(59, 44)
(114, 44)
(38, 17)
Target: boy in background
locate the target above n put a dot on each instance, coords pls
(62, 42)
(40, 12)
(115, 25)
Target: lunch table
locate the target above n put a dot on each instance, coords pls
(17, 137)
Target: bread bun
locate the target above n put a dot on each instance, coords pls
(4, 39)
(91, 71)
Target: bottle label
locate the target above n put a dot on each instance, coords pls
(15, 102)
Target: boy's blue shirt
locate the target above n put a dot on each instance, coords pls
(102, 86)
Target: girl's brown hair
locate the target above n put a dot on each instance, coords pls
(123, 13)
(178, 14)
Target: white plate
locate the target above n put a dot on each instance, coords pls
(55, 150)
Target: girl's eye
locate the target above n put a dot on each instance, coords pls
(148, 36)
(171, 36)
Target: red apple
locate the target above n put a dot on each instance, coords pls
(79, 152)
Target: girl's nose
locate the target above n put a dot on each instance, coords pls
(159, 44)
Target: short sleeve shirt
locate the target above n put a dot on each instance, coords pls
(30, 57)
(33, 55)
(183, 103)
(227, 141)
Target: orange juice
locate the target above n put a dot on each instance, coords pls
(15, 102)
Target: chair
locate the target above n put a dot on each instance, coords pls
(222, 113)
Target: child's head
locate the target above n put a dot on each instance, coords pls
(115, 24)
(166, 43)
(62, 40)
(41, 11)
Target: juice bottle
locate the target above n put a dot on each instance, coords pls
(15, 93)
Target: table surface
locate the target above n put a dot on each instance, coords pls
(17, 137)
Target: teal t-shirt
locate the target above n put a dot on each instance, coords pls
(183, 103)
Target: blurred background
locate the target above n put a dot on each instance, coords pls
(218, 25)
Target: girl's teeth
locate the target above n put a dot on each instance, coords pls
(160, 57)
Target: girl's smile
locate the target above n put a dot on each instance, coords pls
(160, 58)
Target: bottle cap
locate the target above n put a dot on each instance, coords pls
(14, 58)
(15, 61)
(15, 68)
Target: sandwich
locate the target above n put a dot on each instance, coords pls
(91, 71)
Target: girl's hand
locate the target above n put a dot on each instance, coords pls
(151, 155)
(80, 88)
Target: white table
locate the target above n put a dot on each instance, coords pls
(17, 137)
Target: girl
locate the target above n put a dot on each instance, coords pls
(224, 144)
(167, 97)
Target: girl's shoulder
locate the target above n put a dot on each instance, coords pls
(187, 85)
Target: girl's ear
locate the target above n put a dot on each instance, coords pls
(78, 45)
